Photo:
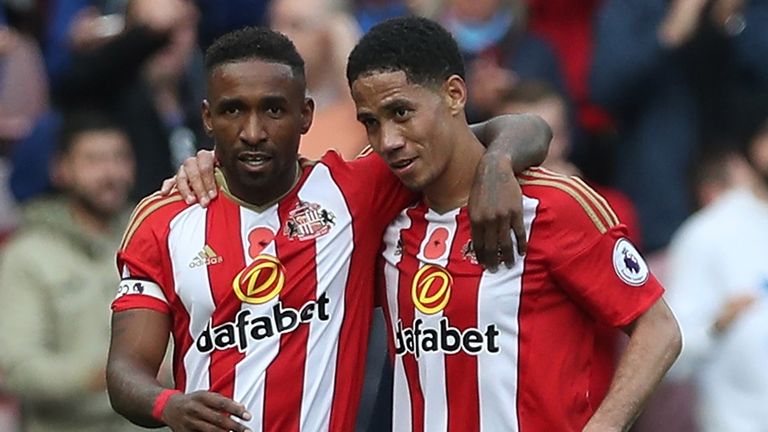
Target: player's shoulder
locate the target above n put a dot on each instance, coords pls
(568, 198)
(152, 212)
(366, 166)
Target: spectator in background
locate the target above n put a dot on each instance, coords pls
(76, 26)
(57, 280)
(324, 34)
(718, 287)
(498, 50)
(540, 98)
(672, 73)
(567, 26)
(23, 85)
(23, 96)
(149, 78)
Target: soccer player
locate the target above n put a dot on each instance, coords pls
(505, 351)
(268, 291)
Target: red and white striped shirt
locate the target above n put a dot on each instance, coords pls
(270, 306)
(511, 350)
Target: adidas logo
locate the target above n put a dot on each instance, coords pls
(205, 257)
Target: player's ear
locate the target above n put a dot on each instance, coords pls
(207, 121)
(455, 91)
(307, 114)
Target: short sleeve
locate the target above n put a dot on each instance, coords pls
(141, 262)
(591, 257)
(609, 278)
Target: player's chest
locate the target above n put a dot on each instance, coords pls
(234, 255)
(430, 269)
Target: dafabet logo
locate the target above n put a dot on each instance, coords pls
(431, 289)
(256, 285)
(261, 281)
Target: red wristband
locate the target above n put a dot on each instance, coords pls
(161, 401)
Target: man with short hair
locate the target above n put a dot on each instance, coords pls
(268, 291)
(510, 350)
(57, 278)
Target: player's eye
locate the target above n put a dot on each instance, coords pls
(275, 111)
(369, 122)
(402, 113)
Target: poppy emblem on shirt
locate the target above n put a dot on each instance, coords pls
(431, 289)
(629, 264)
(261, 281)
(436, 245)
(308, 221)
(258, 239)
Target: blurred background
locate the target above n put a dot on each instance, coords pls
(661, 105)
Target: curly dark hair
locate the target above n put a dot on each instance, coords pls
(421, 48)
(254, 43)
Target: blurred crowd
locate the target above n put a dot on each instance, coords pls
(661, 105)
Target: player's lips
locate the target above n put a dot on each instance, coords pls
(254, 161)
(401, 166)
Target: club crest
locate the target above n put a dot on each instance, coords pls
(308, 221)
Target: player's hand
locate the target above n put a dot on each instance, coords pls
(205, 412)
(495, 206)
(195, 179)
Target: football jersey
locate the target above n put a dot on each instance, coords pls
(511, 350)
(270, 306)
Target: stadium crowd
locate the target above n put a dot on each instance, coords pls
(659, 105)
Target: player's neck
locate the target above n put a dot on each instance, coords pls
(451, 189)
(261, 197)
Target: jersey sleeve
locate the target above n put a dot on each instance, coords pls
(143, 265)
(591, 257)
(387, 195)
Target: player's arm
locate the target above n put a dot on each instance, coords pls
(521, 139)
(654, 344)
(594, 262)
(139, 340)
(515, 143)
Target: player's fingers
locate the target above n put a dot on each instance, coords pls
(182, 184)
(506, 251)
(167, 186)
(195, 181)
(225, 404)
(219, 422)
(491, 246)
(518, 227)
(204, 425)
(206, 163)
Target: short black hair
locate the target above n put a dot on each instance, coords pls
(420, 47)
(80, 121)
(254, 43)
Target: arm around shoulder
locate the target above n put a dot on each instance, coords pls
(521, 138)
